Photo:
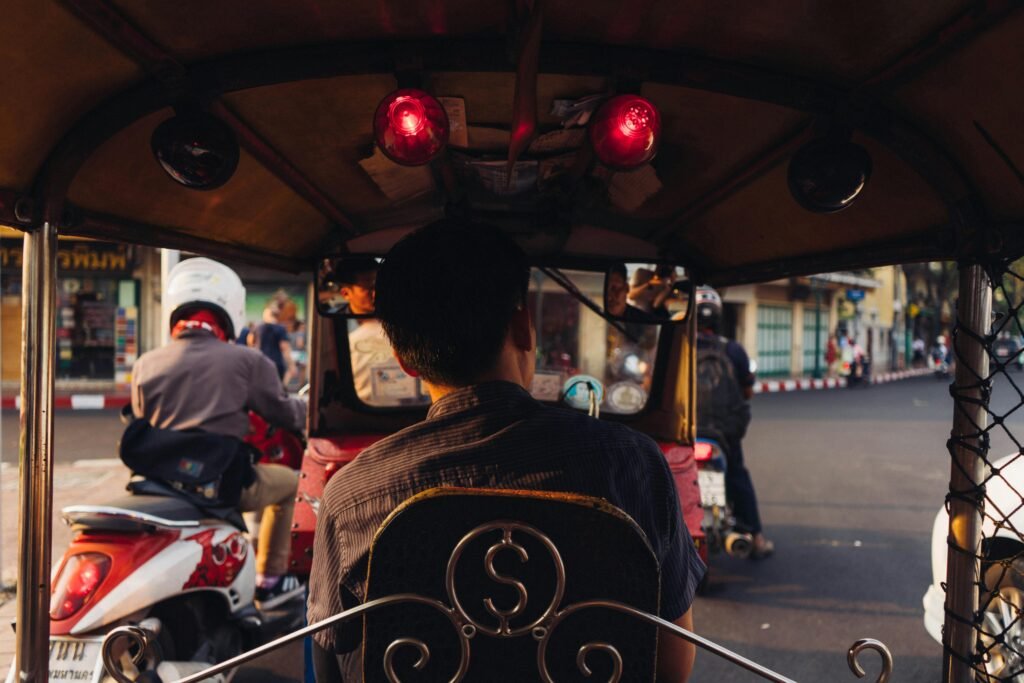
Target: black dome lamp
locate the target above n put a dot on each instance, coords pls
(826, 175)
(196, 149)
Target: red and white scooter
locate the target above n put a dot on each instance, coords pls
(160, 563)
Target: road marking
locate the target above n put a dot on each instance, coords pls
(87, 401)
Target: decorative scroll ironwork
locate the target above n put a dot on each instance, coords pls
(506, 543)
(870, 644)
(466, 627)
(389, 655)
(138, 642)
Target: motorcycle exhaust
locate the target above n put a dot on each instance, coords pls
(738, 544)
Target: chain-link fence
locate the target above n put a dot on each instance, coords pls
(985, 589)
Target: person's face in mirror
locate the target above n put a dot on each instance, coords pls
(615, 294)
(361, 293)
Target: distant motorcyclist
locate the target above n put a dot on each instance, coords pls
(199, 382)
(725, 385)
(940, 352)
(941, 357)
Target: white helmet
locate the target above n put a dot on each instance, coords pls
(200, 281)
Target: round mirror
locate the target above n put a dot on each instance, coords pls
(826, 176)
(197, 150)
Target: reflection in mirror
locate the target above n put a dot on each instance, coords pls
(574, 340)
(379, 380)
(646, 292)
(346, 286)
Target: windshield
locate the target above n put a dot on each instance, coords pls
(575, 344)
(577, 351)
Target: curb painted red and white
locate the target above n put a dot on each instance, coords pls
(775, 387)
(75, 402)
(118, 401)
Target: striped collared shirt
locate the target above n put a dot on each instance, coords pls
(496, 435)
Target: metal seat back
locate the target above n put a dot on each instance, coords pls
(495, 571)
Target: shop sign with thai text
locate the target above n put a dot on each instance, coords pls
(80, 257)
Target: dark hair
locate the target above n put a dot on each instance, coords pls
(351, 267)
(446, 294)
(618, 268)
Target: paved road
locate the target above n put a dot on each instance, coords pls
(849, 481)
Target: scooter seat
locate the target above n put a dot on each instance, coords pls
(135, 513)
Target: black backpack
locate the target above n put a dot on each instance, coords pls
(722, 412)
(209, 470)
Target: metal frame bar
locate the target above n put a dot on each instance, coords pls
(779, 150)
(969, 450)
(116, 229)
(166, 69)
(38, 326)
(277, 163)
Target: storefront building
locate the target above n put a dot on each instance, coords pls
(785, 325)
(99, 311)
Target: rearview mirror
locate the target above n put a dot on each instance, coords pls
(652, 293)
(346, 286)
(648, 293)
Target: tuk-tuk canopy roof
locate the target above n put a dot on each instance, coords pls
(931, 89)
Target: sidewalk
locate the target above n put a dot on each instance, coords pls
(806, 384)
(84, 482)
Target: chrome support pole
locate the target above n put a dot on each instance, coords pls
(974, 313)
(38, 310)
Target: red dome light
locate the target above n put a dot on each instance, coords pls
(625, 132)
(410, 127)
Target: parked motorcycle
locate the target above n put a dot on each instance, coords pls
(719, 523)
(156, 561)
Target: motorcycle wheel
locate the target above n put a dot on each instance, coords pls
(194, 629)
(1002, 633)
(226, 642)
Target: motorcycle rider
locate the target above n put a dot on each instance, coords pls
(940, 353)
(732, 427)
(199, 382)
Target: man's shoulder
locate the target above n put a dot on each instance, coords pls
(562, 430)
(734, 348)
(586, 424)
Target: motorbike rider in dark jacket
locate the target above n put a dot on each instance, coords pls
(732, 424)
(197, 381)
